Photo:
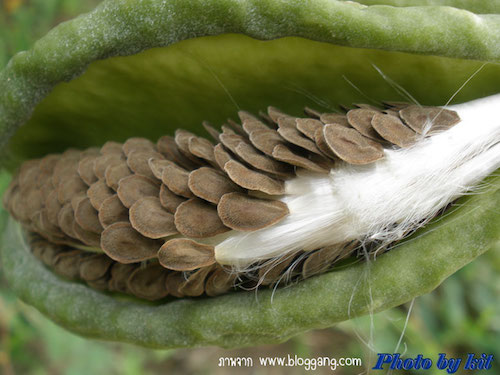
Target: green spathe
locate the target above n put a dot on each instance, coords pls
(155, 91)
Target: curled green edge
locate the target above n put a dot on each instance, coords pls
(240, 319)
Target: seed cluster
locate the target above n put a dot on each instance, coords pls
(135, 217)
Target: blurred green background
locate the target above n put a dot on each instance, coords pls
(462, 316)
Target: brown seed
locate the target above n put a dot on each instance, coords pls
(308, 127)
(65, 220)
(70, 187)
(124, 244)
(174, 282)
(334, 118)
(283, 153)
(135, 187)
(322, 145)
(194, 286)
(99, 284)
(351, 146)
(198, 219)
(136, 144)
(274, 270)
(392, 129)
(138, 162)
(266, 140)
(98, 192)
(321, 260)
(148, 282)
(361, 120)
(28, 173)
(260, 161)
(166, 145)
(104, 161)
(120, 273)
(48, 227)
(242, 212)
(395, 105)
(221, 156)
(182, 254)
(250, 126)
(86, 216)
(114, 173)
(219, 282)
(53, 207)
(293, 136)
(170, 200)
(111, 147)
(246, 116)
(150, 219)
(202, 148)
(275, 114)
(48, 163)
(94, 266)
(86, 170)
(182, 138)
(30, 201)
(419, 118)
(211, 130)
(176, 179)
(65, 168)
(87, 237)
(112, 211)
(66, 264)
(157, 166)
(231, 141)
(253, 180)
(313, 113)
(235, 126)
(209, 184)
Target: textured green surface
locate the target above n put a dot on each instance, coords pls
(160, 89)
(243, 319)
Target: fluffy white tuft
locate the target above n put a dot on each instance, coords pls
(382, 201)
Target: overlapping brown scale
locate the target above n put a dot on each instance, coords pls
(70, 187)
(138, 162)
(253, 180)
(231, 141)
(48, 162)
(350, 146)
(420, 118)
(112, 211)
(28, 173)
(167, 146)
(196, 218)
(119, 275)
(361, 120)
(86, 170)
(334, 118)
(111, 147)
(241, 212)
(87, 216)
(393, 130)
(98, 192)
(137, 144)
(157, 166)
(114, 173)
(274, 271)
(135, 187)
(308, 127)
(173, 283)
(220, 281)
(182, 254)
(121, 242)
(94, 266)
(221, 156)
(182, 138)
(266, 140)
(87, 237)
(296, 138)
(104, 161)
(210, 184)
(194, 285)
(312, 113)
(150, 219)
(275, 114)
(250, 126)
(148, 282)
(170, 200)
(65, 220)
(176, 179)
(202, 148)
(67, 263)
(65, 168)
(259, 161)
(211, 130)
(285, 154)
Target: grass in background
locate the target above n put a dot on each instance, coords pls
(461, 316)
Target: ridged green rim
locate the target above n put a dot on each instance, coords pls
(118, 28)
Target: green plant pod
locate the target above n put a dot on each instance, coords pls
(145, 68)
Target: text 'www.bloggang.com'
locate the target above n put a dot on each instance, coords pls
(309, 364)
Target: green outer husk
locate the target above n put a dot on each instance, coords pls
(129, 26)
(241, 319)
(118, 28)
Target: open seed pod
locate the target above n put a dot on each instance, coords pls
(126, 194)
